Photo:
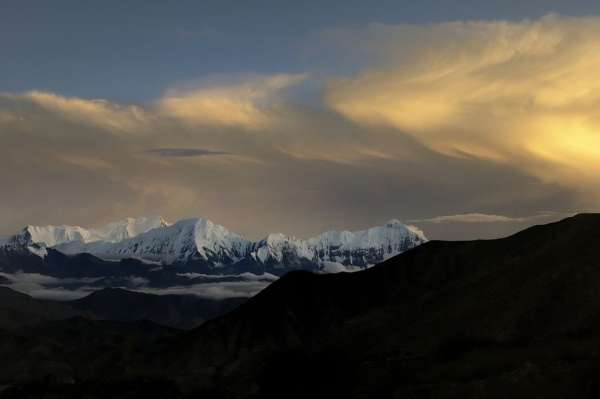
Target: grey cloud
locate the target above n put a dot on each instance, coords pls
(244, 276)
(47, 287)
(58, 293)
(220, 290)
(185, 152)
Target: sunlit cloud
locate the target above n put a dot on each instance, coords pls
(523, 93)
(245, 104)
(99, 113)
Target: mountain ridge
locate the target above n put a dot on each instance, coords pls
(214, 248)
(18, 310)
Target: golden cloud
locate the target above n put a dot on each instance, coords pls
(241, 105)
(525, 93)
(99, 113)
(250, 104)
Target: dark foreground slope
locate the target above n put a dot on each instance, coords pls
(65, 353)
(517, 317)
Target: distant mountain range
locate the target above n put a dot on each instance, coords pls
(18, 310)
(204, 247)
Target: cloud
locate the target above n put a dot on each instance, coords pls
(58, 293)
(63, 289)
(218, 290)
(85, 162)
(520, 93)
(46, 287)
(289, 163)
(481, 218)
(245, 104)
(244, 276)
(184, 152)
(99, 113)
(247, 285)
(7, 118)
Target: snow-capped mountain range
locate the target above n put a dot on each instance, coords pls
(201, 245)
(52, 236)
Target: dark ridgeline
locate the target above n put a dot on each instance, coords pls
(19, 310)
(516, 317)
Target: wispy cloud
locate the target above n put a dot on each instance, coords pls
(245, 104)
(64, 289)
(47, 287)
(185, 152)
(218, 290)
(244, 276)
(483, 218)
(520, 93)
(97, 112)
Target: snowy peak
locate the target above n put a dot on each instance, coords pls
(278, 248)
(23, 242)
(130, 227)
(38, 238)
(393, 232)
(347, 248)
(366, 247)
(116, 231)
(215, 241)
(54, 235)
(186, 240)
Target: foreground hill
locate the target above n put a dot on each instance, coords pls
(517, 317)
(72, 350)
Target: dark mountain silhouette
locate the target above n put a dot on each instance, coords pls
(516, 317)
(179, 311)
(19, 310)
(72, 350)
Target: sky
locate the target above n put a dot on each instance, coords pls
(468, 119)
